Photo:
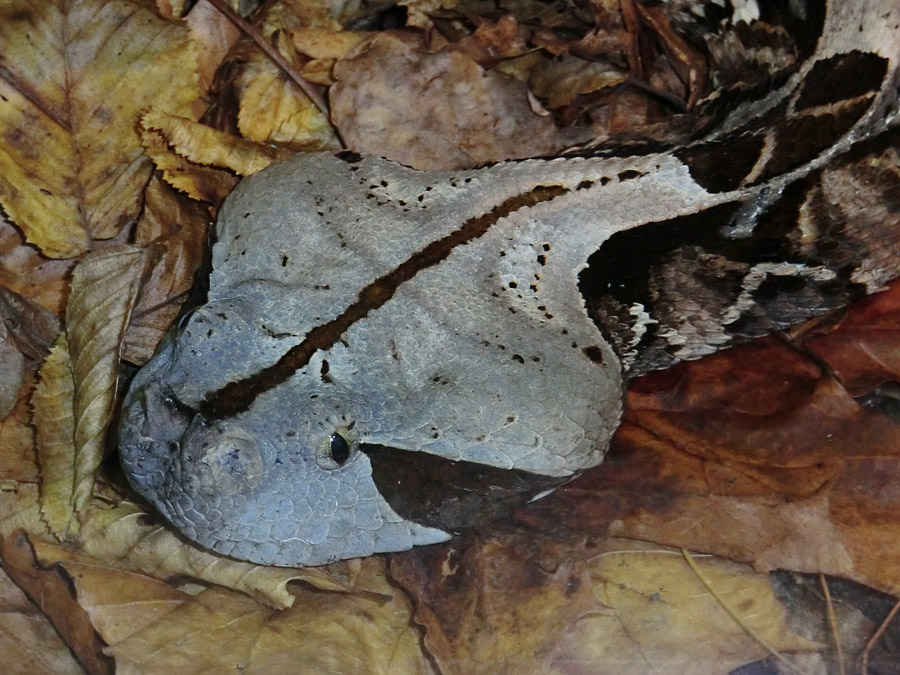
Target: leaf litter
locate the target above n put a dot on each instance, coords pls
(590, 578)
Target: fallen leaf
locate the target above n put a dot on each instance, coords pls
(23, 270)
(217, 630)
(202, 183)
(104, 289)
(72, 167)
(12, 372)
(515, 603)
(50, 590)
(434, 111)
(53, 401)
(29, 643)
(176, 230)
(201, 144)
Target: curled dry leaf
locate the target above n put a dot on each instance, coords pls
(434, 111)
(204, 145)
(28, 641)
(72, 169)
(104, 289)
(203, 183)
(517, 603)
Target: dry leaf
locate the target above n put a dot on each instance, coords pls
(517, 603)
(218, 630)
(214, 35)
(126, 535)
(272, 110)
(50, 589)
(176, 229)
(12, 371)
(434, 111)
(26, 272)
(72, 167)
(201, 144)
(202, 183)
(104, 289)
(28, 642)
(17, 434)
(54, 421)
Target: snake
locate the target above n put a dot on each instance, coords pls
(388, 357)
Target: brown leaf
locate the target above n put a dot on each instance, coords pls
(204, 145)
(434, 111)
(17, 447)
(753, 454)
(175, 228)
(865, 350)
(51, 590)
(72, 170)
(12, 371)
(218, 630)
(519, 603)
(26, 272)
(28, 642)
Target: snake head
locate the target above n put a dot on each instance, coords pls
(304, 496)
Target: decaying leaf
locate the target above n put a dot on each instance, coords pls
(12, 372)
(126, 535)
(434, 111)
(271, 111)
(24, 271)
(203, 183)
(72, 167)
(17, 439)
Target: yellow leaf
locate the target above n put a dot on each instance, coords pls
(272, 111)
(104, 288)
(201, 144)
(53, 401)
(75, 76)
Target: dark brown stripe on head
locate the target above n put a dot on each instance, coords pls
(238, 396)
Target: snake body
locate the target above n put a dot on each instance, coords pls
(388, 357)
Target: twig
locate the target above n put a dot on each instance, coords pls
(832, 622)
(734, 615)
(256, 35)
(877, 636)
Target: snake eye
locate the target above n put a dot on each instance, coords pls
(340, 449)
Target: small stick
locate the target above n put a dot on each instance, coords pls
(877, 636)
(832, 622)
(256, 35)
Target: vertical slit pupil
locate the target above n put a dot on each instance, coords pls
(340, 449)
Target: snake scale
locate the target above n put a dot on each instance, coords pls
(387, 357)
